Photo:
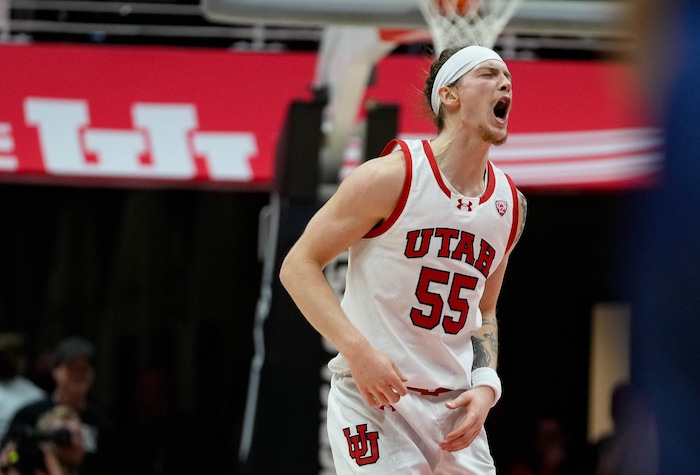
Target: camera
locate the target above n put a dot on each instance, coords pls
(28, 454)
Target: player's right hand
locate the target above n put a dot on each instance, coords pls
(476, 403)
(377, 377)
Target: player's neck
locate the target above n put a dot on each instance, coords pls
(462, 161)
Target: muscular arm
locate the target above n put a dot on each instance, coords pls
(485, 341)
(365, 198)
(478, 401)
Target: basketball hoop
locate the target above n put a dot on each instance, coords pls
(466, 22)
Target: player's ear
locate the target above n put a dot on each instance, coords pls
(448, 96)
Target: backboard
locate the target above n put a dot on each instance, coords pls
(575, 18)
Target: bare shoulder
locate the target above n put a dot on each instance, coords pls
(386, 170)
(365, 197)
(376, 184)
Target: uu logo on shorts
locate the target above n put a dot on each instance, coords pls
(363, 447)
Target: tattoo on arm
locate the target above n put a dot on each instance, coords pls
(485, 346)
(482, 358)
(523, 214)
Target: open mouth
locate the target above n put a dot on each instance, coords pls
(501, 108)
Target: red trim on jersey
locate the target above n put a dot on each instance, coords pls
(403, 197)
(516, 215)
(490, 180)
(388, 148)
(490, 183)
(436, 169)
(428, 392)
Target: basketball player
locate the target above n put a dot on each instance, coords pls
(429, 227)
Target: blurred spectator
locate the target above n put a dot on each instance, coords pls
(69, 452)
(53, 447)
(632, 449)
(551, 453)
(74, 374)
(15, 390)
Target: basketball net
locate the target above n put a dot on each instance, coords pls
(466, 22)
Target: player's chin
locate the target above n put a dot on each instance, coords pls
(499, 135)
(495, 135)
(500, 141)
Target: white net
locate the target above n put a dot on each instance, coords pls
(466, 22)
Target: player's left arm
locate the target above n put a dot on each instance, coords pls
(485, 340)
(477, 402)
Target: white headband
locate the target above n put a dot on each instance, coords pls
(456, 66)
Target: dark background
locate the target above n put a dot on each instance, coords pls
(159, 280)
(169, 279)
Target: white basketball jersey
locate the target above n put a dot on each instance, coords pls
(415, 282)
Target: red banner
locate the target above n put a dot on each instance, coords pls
(103, 115)
(120, 116)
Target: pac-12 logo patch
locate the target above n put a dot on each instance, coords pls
(502, 207)
(363, 447)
